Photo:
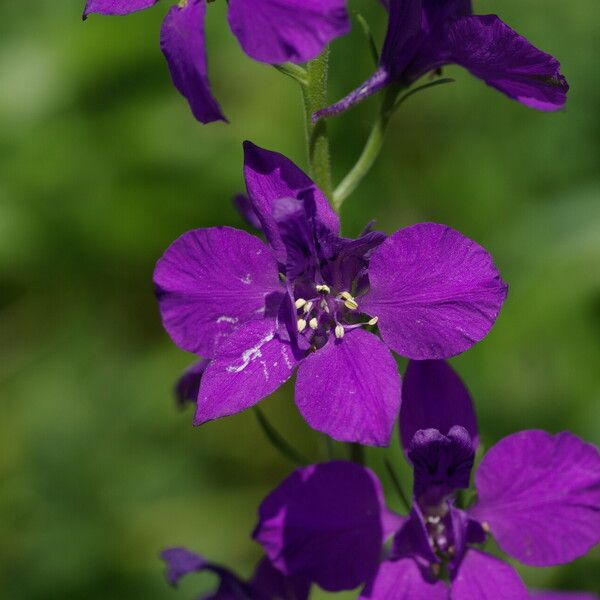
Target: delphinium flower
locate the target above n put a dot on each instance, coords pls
(266, 583)
(425, 35)
(538, 495)
(269, 31)
(309, 299)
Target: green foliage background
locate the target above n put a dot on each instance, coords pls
(102, 166)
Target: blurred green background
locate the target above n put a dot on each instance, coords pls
(102, 166)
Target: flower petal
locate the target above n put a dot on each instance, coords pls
(243, 205)
(181, 562)
(187, 386)
(327, 522)
(116, 7)
(442, 464)
(401, 41)
(251, 364)
(273, 181)
(484, 577)
(435, 291)
(182, 43)
(403, 580)
(269, 583)
(505, 60)
(434, 397)
(540, 495)
(277, 31)
(350, 389)
(209, 282)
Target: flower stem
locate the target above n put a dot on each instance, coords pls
(397, 484)
(277, 440)
(370, 151)
(314, 94)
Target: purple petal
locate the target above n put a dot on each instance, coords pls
(484, 577)
(277, 31)
(401, 41)
(435, 291)
(116, 7)
(442, 464)
(181, 562)
(269, 583)
(434, 397)
(350, 389)
(251, 364)
(505, 60)
(547, 595)
(412, 539)
(327, 522)
(403, 580)
(209, 282)
(244, 207)
(272, 181)
(182, 43)
(540, 495)
(188, 385)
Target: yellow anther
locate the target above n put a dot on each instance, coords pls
(351, 304)
(300, 303)
(323, 288)
(485, 526)
(301, 325)
(339, 331)
(373, 321)
(313, 323)
(308, 307)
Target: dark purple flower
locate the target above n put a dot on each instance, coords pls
(269, 31)
(308, 298)
(188, 385)
(425, 35)
(267, 583)
(538, 495)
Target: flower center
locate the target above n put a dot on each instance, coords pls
(327, 312)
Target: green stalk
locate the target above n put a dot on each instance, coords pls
(370, 151)
(314, 94)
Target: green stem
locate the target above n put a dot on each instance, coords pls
(357, 454)
(277, 440)
(370, 151)
(296, 72)
(314, 94)
(397, 484)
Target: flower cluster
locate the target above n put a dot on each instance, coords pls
(308, 299)
(536, 494)
(269, 31)
(300, 297)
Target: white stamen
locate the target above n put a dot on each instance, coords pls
(308, 307)
(300, 303)
(313, 323)
(349, 301)
(301, 325)
(323, 288)
(373, 321)
(325, 306)
(339, 331)
(485, 526)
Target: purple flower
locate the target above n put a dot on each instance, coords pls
(269, 31)
(267, 583)
(538, 495)
(309, 298)
(425, 35)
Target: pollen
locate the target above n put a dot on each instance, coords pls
(308, 307)
(301, 325)
(313, 323)
(323, 288)
(373, 321)
(300, 303)
(339, 331)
